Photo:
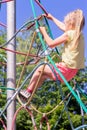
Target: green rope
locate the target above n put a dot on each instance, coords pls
(50, 32)
(49, 58)
(6, 88)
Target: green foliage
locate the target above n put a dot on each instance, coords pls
(2, 59)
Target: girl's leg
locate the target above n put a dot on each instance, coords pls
(47, 73)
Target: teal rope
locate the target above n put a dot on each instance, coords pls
(49, 58)
(50, 32)
(5, 88)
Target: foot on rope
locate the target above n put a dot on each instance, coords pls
(24, 95)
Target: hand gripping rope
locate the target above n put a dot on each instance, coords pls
(44, 10)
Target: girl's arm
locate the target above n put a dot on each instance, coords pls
(60, 24)
(53, 43)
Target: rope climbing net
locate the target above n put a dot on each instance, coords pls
(37, 54)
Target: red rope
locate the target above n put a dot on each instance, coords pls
(4, 1)
(3, 124)
(45, 118)
(16, 113)
(31, 63)
(41, 7)
(3, 24)
(27, 27)
(22, 63)
(32, 24)
(21, 53)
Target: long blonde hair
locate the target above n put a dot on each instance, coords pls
(80, 21)
(77, 18)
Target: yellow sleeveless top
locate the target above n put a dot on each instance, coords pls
(73, 59)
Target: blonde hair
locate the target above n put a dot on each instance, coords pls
(77, 18)
(80, 21)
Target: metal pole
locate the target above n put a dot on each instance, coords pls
(11, 60)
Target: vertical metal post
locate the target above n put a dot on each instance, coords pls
(11, 60)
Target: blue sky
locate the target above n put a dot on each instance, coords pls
(59, 8)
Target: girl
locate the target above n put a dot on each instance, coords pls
(73, 50)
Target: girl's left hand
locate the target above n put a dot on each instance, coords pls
(42, 29)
